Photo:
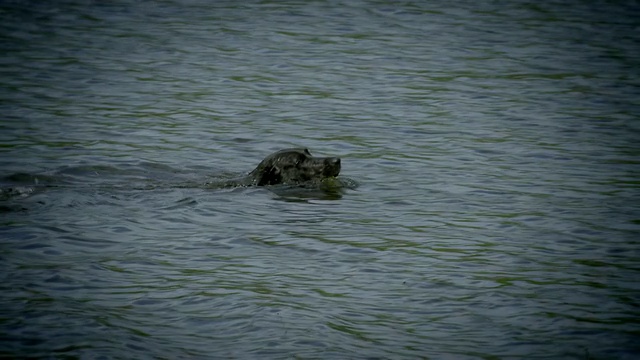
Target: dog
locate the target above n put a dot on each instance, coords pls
(294, 167)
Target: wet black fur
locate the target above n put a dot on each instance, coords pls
(294, 166)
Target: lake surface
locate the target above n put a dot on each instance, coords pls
(492, 150)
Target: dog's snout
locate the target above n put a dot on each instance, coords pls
(333, 161)
(332, 166)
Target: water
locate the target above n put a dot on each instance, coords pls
(492, 148)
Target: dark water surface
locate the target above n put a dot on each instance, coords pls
(493, 150)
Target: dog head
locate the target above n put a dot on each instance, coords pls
(294, 166)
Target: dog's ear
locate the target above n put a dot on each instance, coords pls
(270, 176)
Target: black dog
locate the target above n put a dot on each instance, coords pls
(294, 166)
